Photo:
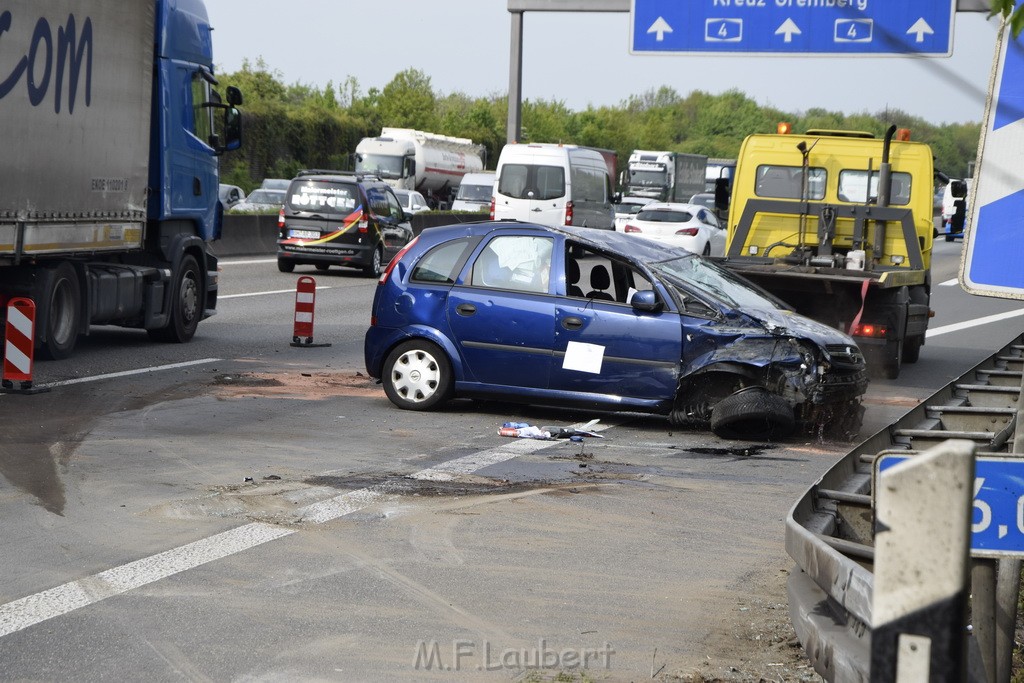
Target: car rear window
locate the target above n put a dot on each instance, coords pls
(441, 264)
(664, 216)
(318, 196)
(530, 181)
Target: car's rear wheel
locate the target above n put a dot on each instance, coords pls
(285, 266)
(707, 249)
(753, 414)
(376, 264)
(417, 375)
(323, 267)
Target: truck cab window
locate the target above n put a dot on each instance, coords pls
(202, 116)
(786, 182)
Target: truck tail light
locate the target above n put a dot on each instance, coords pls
(568, 212)
(688, 232)
(870, 330)
(394, 262)
(631, 228)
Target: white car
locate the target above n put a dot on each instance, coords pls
(689, 226)
(627, 208)
(261, 200)
(412, 202)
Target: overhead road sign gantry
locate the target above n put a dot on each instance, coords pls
(869, 28)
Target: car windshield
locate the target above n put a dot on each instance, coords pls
(266, 197)
(719, 283)
(475, 193)
(664, 215)
(382, 165)
(323, 197)
(647, 178)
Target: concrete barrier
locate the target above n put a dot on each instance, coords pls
(256, 235)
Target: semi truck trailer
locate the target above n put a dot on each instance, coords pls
(111, 126)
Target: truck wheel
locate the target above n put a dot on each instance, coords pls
(753, 414)
(417, 375)
(187, 299)
(893, 359)
(62, 308)
(374, 269)
(285, 266)
(912, 348)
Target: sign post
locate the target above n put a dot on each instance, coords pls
(796, 27)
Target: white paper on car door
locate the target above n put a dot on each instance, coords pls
(583, 357)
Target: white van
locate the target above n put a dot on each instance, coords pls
(475, 192)
(553, 185)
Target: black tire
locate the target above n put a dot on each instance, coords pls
(376, 266)
(752, 414)
(893, 360)
(285, 266)
(707, 250)
(323, 267)
(61, 317)
(188, 299)
(949, 238)
(912, 348)
(417, 375)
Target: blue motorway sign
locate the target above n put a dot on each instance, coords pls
(779, 27)
(997, 523)
(993, 251)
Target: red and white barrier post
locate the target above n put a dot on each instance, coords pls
(305, 304)
(19, 343)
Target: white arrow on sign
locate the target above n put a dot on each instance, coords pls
(787, 30)
(660, 27)
(921, 28)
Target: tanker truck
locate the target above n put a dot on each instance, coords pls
(109, 180)
(413, 160)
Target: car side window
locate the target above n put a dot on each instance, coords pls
(394, 208)
(442, 263)
(377, 198)
(516, 262)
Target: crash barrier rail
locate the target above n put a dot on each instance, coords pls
(245, 234)
(831, 530)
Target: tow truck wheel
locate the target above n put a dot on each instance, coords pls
(912, 348)
(62, 299)
(187, 299)
(893, 359)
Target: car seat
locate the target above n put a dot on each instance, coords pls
(572, 277)
(600, 281)
(489, 271)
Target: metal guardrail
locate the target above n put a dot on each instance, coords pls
(830, 529)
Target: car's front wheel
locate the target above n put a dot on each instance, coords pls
(417, 375)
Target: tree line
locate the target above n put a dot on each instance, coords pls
(291, 127)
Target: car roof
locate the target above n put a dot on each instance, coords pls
(674, 206)
(626, 246)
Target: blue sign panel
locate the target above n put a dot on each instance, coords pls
(993, 249)
(822, 27)
(997, 522)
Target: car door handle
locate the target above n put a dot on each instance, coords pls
(572, 323)
(466, 309)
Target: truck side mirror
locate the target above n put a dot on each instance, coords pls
(722, 194)
(958, 188)
(234, 96)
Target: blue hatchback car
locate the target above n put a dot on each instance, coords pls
(601, 320)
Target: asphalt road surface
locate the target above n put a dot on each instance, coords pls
(240, 509)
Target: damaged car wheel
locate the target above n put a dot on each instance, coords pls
(754, 414)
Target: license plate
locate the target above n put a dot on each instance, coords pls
(304, 234)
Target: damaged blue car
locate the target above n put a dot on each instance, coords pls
(573, 317)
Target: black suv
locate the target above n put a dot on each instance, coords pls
(341, 219)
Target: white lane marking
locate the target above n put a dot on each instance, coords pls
(127, 373)
(950, 283)
(967, 324)
(275, 291)
(248, 262)
(54, 602)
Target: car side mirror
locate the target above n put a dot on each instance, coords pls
(646, 301)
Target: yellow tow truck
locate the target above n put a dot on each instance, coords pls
(839, 225)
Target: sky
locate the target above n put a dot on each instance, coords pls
(580, 58)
